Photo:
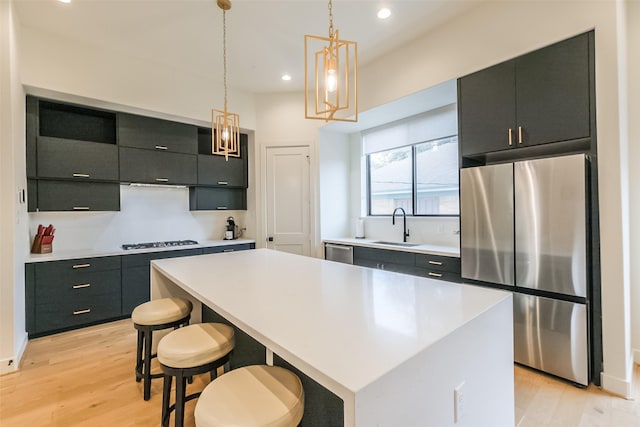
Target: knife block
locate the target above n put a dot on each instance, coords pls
(42, 244)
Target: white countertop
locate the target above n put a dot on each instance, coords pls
(92, 253)
(347, 324)
(420, 248)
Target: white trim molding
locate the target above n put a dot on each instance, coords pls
(11, 364)
(618, 386)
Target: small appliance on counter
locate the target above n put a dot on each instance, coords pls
(232, 231)
(43, 241)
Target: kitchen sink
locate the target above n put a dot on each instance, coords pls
(408, 245)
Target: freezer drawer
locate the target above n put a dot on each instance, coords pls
(551, 335)
(339, 253)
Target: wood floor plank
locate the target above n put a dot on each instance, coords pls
(86, 378)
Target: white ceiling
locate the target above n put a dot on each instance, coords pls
(264, 38)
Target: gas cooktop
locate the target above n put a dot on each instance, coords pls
(166, 244)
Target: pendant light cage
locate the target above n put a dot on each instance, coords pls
(225, 126)
(331, 76)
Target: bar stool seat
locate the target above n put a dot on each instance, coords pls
(152, 316)
(256, 396)
(192, 350)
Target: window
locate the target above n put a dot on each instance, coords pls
(420, 178)
(413, 164)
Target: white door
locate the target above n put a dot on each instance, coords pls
(288, 212)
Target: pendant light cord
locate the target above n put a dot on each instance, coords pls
(330, 19)
(224, 56)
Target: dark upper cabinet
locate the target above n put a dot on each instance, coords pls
(80, 160)
(486, 109)
(156, 134)
(212, 198)
(157, 167)
(216, 170)
(45, 195)
(538, 98)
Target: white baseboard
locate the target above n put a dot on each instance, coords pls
(617, 386)
(11, 364)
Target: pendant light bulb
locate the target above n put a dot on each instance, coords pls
(332, 80)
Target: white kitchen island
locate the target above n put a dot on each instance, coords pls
(392, 346)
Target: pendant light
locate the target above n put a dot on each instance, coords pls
(225, 126)
(331, 92)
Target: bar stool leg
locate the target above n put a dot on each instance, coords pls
(181, 384)
(166, 400)
(139, 357)
(148, 344)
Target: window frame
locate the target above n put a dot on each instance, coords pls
(414, 182)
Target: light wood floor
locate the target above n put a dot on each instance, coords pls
(85, 378)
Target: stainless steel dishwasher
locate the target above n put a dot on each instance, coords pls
(339, 253)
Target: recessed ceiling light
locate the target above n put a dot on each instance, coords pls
(64, 1)
(286, 77)
(384, 13)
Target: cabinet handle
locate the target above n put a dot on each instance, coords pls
(510, 136)
(222, 207)
(228, 250)
(432, 274)
(223, 183)
(81, 175)
(81, 266)
(162, 179)
(161, 147)
(85, 311)
(519, 134)
(86, 285)
(435, 262)
(81, 208)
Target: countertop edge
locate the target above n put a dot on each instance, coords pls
(420, 249)
(90, 253)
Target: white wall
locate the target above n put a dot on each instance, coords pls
(633, 58)
(147, 214)
(334, 159)
(13, 217)
(50, 62)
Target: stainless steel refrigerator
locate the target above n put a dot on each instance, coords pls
(524, 228)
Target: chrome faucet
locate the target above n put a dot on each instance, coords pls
(405, 232)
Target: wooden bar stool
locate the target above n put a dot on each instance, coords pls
(152, 316)
(192, 350)
(252, 396)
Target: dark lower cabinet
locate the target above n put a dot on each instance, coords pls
(228, 248)
(136, 276)
(212, 199)
(384, 259)
(45, 195)
(63, 295)
(417, 264)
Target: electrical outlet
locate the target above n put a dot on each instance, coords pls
(459, 403)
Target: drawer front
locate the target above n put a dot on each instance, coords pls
(80, 160)
(154, 167)
(77, 196)
(384, 256)
(60, 270)
(53, 316)
(449, 276)
(437, 262)
(77, 286)
(226, 248)
(143, 260)
(156, 134)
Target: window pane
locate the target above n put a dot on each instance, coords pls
(391, 181)
(437, 175)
